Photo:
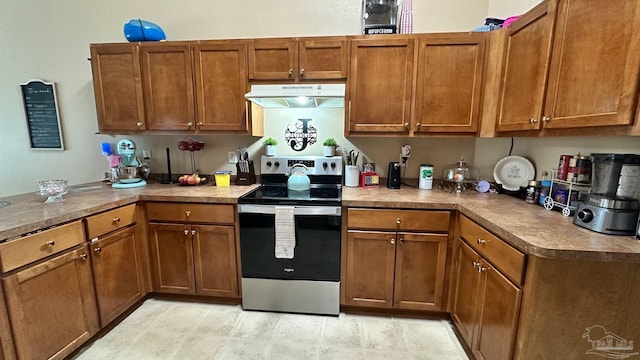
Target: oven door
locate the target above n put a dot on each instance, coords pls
(317, 250)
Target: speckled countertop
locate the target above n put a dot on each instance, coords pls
(28, 212)
(527, 227)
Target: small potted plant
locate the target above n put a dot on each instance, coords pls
(270, 145)
(329, 147)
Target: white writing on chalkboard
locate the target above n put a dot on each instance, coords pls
(41, 110)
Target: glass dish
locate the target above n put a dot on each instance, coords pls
(53, 189)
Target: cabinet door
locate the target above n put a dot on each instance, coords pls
(595, 64)
(498, 318)
(117, 272)
(525, 69)
(172, 258)
(380, 86)
(272, 59)
(215, 260)
(466, 283)
(221, 82)
(117, 86)
(52, 306)
(419, 274)
(323, 58)
(168, 86)
(370, 266)
(449, 83)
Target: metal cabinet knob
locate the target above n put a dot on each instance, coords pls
(481, 241)
(83, 256)
(193, 232)
(290, 72)
(200, 123)
(188, 213)
(418, 126)
(475, 264)
(545, 119)
(482, 268)
(139, 123)
(406, 125)
(301, 72)
(116, 220)
(533, 120)
(186, 231)
(190, 124)
(50, 243)
(401, 240)
(98, 250)
(398, 221)
(393, 241)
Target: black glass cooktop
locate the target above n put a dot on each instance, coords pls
(329, 194)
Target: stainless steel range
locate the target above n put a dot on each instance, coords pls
(290, 240)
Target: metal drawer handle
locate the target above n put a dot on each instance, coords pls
(116, 220)
(50, 243)
(188, 213)
(98, 250)
(481, 241)
(398, 221)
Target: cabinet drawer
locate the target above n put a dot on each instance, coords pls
(186, 212)
(22, 251)
(406, 220)
(506, 258)
(111, 220)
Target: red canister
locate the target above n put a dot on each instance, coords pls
(563, 167)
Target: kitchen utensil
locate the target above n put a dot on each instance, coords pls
(53, 190)
(513, 172)
(394, 176)
(298, 180)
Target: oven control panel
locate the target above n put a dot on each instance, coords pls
(316, 165)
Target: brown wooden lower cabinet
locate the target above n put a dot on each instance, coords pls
(485, 306)
(194, 259)
(395, 269)
(52, 306)
(118, 273)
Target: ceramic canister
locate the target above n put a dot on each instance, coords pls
(426, 176)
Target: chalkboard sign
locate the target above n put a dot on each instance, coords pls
(41, 109)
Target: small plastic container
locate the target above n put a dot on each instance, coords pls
(223, 178)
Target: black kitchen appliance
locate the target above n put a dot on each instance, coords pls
(394, 175)
(307, 281)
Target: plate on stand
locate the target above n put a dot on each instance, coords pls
(514, 172)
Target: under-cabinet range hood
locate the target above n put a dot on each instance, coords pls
(297, 95)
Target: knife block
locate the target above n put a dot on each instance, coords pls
(245, 178)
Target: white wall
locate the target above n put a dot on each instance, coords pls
(50, 40)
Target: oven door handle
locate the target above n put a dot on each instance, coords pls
(299, 210)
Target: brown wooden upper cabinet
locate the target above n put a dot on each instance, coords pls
(446, 71)
(117, 86)
(380, 86)
(167, 78)
(449, 83)
(221, 82)
(566, 65)
(299, 59)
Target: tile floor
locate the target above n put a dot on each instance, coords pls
(163, 329)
